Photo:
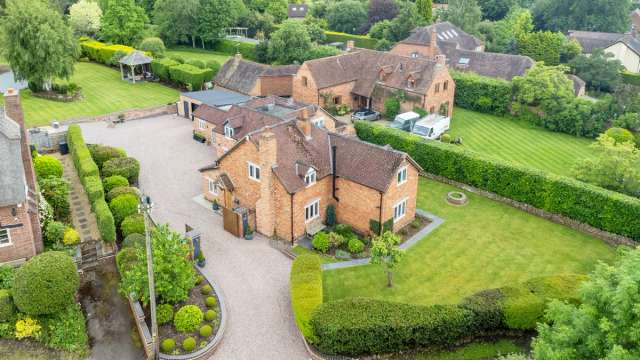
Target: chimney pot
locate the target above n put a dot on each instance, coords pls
(350, 45)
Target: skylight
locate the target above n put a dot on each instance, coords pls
(463, 61)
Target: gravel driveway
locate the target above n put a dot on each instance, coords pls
(253, 276)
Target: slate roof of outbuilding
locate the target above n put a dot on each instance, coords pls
(447, 34)
(217, 97)
(12, 178)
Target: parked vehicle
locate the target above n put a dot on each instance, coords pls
(405, 121)
(431, 126)
(365, 114)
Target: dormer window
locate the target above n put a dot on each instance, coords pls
(310, 177)
(411, 83)
(228, 131)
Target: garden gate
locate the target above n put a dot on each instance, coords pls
(232, 222)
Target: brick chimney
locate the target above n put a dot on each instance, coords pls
(13, 110)
(304, 123)
(433, 42)
(265, 206)
(441, 60)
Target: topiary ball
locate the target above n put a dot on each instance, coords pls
(164, 313)
(167, 345)
(127, 167)
(206, 331)
(206, 290)
(210, 315)
(199, 279)
(188, 318)
(211, 301)
(132, 224)
(134, 240)
(45, 284)
(47, 165)
(113, 182)
(189, 344)
(123, 206)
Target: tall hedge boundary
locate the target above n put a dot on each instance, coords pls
(360, 41)
(306, 291)
(631, 78)
(248, 50)
(483, 94)
(90, 178)
(603, 209)
(101, 52)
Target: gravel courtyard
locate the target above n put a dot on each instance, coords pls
(253, 276)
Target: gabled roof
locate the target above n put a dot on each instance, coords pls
(217, 97)
(447, 33)
(502, 66)
(12, 175)
(298, 10)
(135, 58)
(364, 67)
(590, 40)
(242, 119)
(242, 76)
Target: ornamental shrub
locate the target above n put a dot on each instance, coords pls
(206, 290)
(189, 344)
(331, 216)
(344, 230)
(7, 273)
(188, 318)
(120, 190)
(115, 181)
(592, 205)
(134, 240)
(211, 301)
(213, 66)
(355, 246)
(45, 284)
(445, 138)
(306, 291)
(206, 331)
(356, 326)
(167, 345)
(335, 239)
(153, 45)
(7, 309)
(55, 232)
(71, 237)
(391, 107)
(94, 189)
(47, 165)
(164, 313)
(561, 287)
(132, 224)
(28, 327)
(620, 135)
(160, 67)
(56, 193)
(320, 242)
(126, 258)
(123, 206)
(127, 167)
(210, 315)
(106, 223)
(66, 330)
(199, 279)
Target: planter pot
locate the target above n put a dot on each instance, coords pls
(215, 206)
(248, 236)
(201, 263)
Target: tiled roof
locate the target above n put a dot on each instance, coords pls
(447, 34)
(12, 175)
(503, 66)
(590, 40)
(242, 76)
(243, 120)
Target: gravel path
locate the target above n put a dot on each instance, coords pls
(253, 276)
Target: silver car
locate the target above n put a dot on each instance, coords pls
(365, 114)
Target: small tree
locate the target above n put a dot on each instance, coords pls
(385, 251)
(85, 17)
(391, 107)
(154, 45)
(290, 43)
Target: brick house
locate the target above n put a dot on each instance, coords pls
(254, 79)
(20, 233)
(364, 78)
(290, 172)
(223, 128)
(428, 40)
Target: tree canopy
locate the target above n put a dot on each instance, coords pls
(177, 20)
(85, 17)
(589, 15)
(600, 71)
(37, 43)
(465, 14)
(290, 43)
(215, 15)
(349, 16)
(495, 9)
(123, 22)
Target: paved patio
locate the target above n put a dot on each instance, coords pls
(254, 277)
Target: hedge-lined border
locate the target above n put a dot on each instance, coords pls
(600, 208)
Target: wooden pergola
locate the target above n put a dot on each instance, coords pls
(133, 59)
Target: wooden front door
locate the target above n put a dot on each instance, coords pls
(228, 199)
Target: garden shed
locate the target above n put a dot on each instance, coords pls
(132, 60)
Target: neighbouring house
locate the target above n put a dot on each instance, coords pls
(428, 40)
(287, 174)
(297, 11)
(624, 47)
(255, 79)
(635, 19)
(20, 233)
(223, 128)
(190, 101)
(363, 78)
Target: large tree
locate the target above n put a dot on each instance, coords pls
(591, 15)
(600, 70)
(348, 16)
(291, 43)
(37, 43)
(543, 83)
(407, 20)
(542, 46)
(382, 10)
(215, 15)
(177, 20)
(123, 22)
(605, 325)
(85, 17)
(278, 9)
(502, 36)
(496, 9)
(466, 14)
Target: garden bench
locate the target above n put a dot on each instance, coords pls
(315, 226)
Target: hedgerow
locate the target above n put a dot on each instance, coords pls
(247, 50)
(160, 67)
(190, 76)
(600, 208)
(360, 41)
(94, 189)
(104, 217)
(306, 291)
(480, 93)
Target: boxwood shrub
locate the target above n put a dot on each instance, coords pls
(167, 345)
(132, 224)
(356, 326)
(112, 182)
(102, 153)
(120, 190)
(188, 318)
(47, 165)
(106, 224)
(123, 206)
(600, 208)
(126, 167)
(306, 291)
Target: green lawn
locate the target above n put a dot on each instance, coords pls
(198, 54)
(299, 250)
(519, 141)
(104, 92)
(484, 244)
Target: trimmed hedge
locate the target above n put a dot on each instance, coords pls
(357, 326)
(483, 94)
(94, 189)
(103, 53)
(631, 78)
(361, 41)
(231, 47)
(112, 182)
(190, 76)
(47, 165)
(104, 217)
(306, 291)
(598, 207)
(160, 67)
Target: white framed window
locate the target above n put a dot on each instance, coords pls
(402, 176)
(254, 172)
(310, 177)
(213, 187)
(319, 123)
(312, 211)
(5, 237)
(399, 210)
(202, 124)
(228, 131)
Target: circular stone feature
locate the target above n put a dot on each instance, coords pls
(457, 198)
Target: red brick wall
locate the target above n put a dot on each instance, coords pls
(396, 193)
(276, 85)
(22, 245)
(358, 204)
(409, 49)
